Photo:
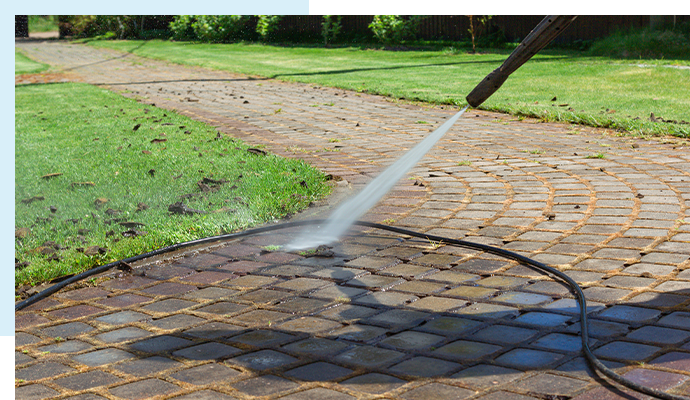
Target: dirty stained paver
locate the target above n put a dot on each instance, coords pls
(382, 315)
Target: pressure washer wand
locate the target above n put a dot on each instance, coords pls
(541, 35)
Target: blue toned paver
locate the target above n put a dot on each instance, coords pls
(626, 351)
(545, 320)
(529, 359)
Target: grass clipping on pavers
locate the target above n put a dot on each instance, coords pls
(99, 177)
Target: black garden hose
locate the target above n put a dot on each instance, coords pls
(591, 358)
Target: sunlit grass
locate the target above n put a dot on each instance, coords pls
(115, 161)
(595, 91)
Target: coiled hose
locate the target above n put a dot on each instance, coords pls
(591, 358)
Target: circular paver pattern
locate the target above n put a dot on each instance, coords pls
(385, 314)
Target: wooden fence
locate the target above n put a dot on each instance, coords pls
(515, 27)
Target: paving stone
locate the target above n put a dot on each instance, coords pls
(348, 312)
(375, 282)
(68, 330)
(338, 274)
(301, 305)
(601, 329)
(549, 288)
(303, 284)
(102, 357)
(87, 293)
(147, 366)
(451, 276)
(211, 293)
(677, 287)
(420, 287)
(673, 360)
(368, 356)
(605, 295)
(572, 306)
(387, 299)
(214, 330)
(168, 305)
(165, 272)
(549, 384)
(397, 318)
(86, 396)
(561, 342)
(21, 358)
(309, 325)
(656, 379)
(159, 344)
(318, 393)
(543, 319)
(483, 376)
(41, 371)
(264, 385)
(209, 277)
(626, 351)
(677, 319)
(504, 334)
(143, 389)
(659, 335)
(480, 266)
(448, 326)
(241, 267)
(529, 359)
(629, 282)
(502, 282)
(664, 258)
(317, 347)
(359, 333)
(581, 368)
(425, 367)
(470, 292)
(523, 299)
(206, 374)
(488, 311)
(373, 383)
(339, 293)
(372, 263)
(169, 289)
(74, 312)
(502, 395)
(262, 360)
(600, 265)
(207, 351)
(34, 392)
(68, 346)
(205, 395)
(411, 340)
(610, 393)
(177, 321)
(87, 380)
(407, 271)
(223, 308)
(439, 391)
(262, 338)
(263, 296)
(465, 350)
(23, 339)
(319, 372)
(259, 318)
(629, 315)
(437, 304)
(128, 282)
(251, 281)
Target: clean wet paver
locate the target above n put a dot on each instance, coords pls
(385, 315)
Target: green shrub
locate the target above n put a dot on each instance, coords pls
(645, 43)
(114, 26)
(181, 27)
(330, 28)
(221, 28)
(267, 26)
(394, 29)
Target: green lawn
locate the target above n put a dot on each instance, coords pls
(25, 65)
(597, 91)
(88, 161)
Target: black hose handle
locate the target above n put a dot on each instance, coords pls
(541, 35)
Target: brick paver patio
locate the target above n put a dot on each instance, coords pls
(385, 316)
